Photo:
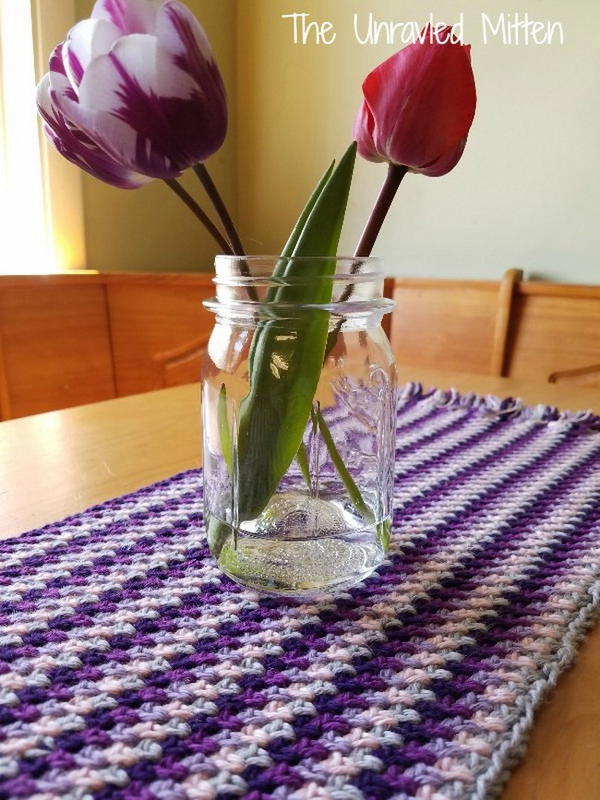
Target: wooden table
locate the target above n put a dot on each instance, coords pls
(60, 463)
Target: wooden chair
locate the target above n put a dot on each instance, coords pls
(55, 345)
(585, 374)
(159, 329)
(78, 338)
(181, 365)
(529, 330)
(555, 333)
(453, 325)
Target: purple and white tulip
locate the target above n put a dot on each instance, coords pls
(134, 93)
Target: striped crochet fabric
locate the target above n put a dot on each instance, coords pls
(131, 668)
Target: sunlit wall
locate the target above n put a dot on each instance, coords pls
(527, 192)
(25, 234)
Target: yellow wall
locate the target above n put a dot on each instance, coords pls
(149, 229)
(63, 183)
(527, 191)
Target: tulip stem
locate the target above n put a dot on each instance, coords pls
(384, 202)
(221, 209)
(202, 215)
(219, 205)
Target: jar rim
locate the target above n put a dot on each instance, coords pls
(297, 280)
(291, 311)
(240, 270)
(275, 257)
(280, 284)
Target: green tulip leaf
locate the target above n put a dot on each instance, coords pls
(302, 459)
(347, 479)
(292, 242)
(288, 251)
(224, 429)
(288, 357)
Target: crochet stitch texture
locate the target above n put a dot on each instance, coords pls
(132, 669)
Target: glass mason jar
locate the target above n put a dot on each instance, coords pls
(299, 405)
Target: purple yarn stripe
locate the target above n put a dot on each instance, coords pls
(61, 621)
(130, 668)
(236, 699)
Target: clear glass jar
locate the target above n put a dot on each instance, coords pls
(298, 405)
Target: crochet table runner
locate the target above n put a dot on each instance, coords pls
(131, 668)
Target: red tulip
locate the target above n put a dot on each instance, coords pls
(419, 106)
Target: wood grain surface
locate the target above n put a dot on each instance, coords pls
(56, 349)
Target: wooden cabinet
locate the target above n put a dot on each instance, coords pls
(72, 339)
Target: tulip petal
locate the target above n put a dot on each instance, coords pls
(78, 148)
(444, 164)
(55, 62)
(87, 40)
(364, 128)
(184, 50)
(130, 16)
(154, 103)
(57, 77)
(44, 102)
(182, 35)
(117, 108)
(86, 120)
(422, 100)
(440, 103)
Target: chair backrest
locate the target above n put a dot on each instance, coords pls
(182, 364)
(55, 345)
(157, 324)
(453, 325)
(532, 330)
(555, 333)
(79, 338)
